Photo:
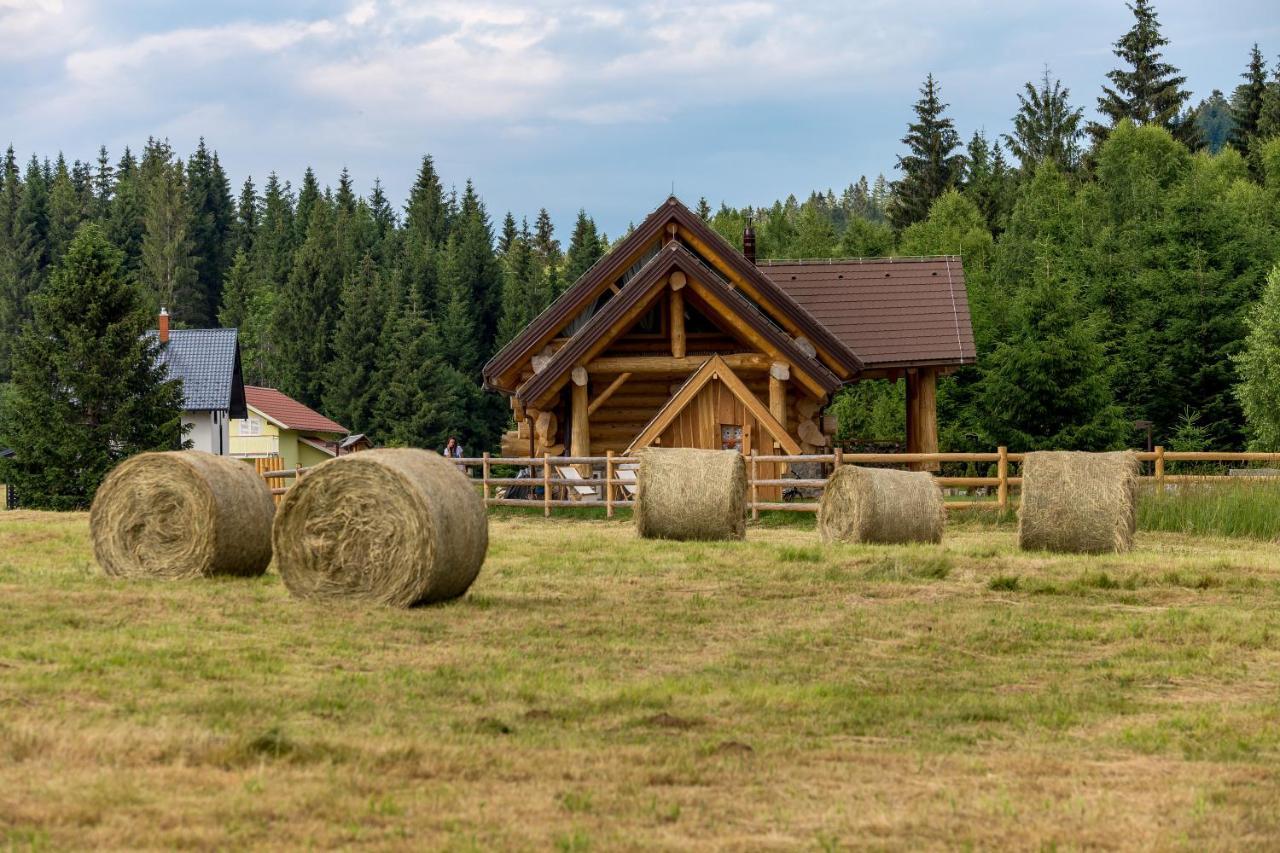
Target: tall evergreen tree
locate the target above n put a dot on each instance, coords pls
(27, 261)
(507, 236)
(426, 226)
(103, 185)
(1214, 121)
(248, 212)
(351, 387)
(126, 218)
(65, 211)
(932, 166)
(525, 292)
(1147, 90)
(1046, 126)
(1247, 103)
(308, 196)
(306, 311)
(88, 390)
(547, 248)
(213, 215)
(584, 248)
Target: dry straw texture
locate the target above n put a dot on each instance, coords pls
(182, 514)
(692, 494)
(397, 527)
(1083, 503)
(881, 505)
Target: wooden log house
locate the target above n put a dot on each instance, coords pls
(678, 339)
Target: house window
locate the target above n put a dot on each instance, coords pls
(731, 437)
(251, 426)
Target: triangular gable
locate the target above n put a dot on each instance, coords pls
(712, 369)
(618, 314)
(669, 219)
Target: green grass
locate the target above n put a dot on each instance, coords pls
(1248, 508)
(597, 691)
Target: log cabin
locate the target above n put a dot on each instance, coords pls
(676, 338)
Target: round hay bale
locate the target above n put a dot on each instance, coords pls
(692, 494)
(395, 526)
(1080, 503)
(182, 514)
(881, 505)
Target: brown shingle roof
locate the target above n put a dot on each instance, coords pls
(891, 312)
(288, 412)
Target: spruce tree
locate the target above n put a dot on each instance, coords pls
(212, 213)
(273, 248)
(27, 260)
(425, 229)
(308, 196)
(1046, 126)
(10, 291)
(932, 166)
(507, 236)
(547, 248)
(704, 209)
(248, 212)
(306, 311)
(103, 185)
(1247, 102)
(65, 212)
(126, 225)
(525, 293)
(87, 388)
(584, 248)
(350, 394)
(1214, 121)
(1147, 90)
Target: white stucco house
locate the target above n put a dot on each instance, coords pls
(208, 363)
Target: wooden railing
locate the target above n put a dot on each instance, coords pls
(611, 492)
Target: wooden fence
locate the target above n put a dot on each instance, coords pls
(600, 475)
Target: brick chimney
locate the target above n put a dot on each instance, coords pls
(749, 242)
(163, 326)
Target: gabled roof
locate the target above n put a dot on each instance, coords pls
(673, 257)
(891, 311)
(609, 268)
(208, 363)
(714, 368)
(284, 411)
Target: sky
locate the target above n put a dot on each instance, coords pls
(567, 104)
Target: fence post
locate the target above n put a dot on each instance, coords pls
(484, 477)
(1002, 471)
(839, 459)
(546, 485)
(755, 490)
(1159, 467)
(608, 484)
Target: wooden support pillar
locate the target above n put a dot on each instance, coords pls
(922, 415)
(779, 373)
(580, 425)
(677, 315)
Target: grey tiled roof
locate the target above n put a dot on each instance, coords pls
(205, 361)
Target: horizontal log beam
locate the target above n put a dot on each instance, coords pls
(670, 364)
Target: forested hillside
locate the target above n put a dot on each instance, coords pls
(1111, 265)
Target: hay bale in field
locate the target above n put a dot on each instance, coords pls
(692, 494)
(1083, 503)
(394, 526)
(881, 505)
(182, 514)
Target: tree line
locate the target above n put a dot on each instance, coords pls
(1115, 268)
(380, 318)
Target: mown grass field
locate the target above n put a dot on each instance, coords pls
(594, 691)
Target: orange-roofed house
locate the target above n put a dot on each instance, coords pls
(278, 426)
